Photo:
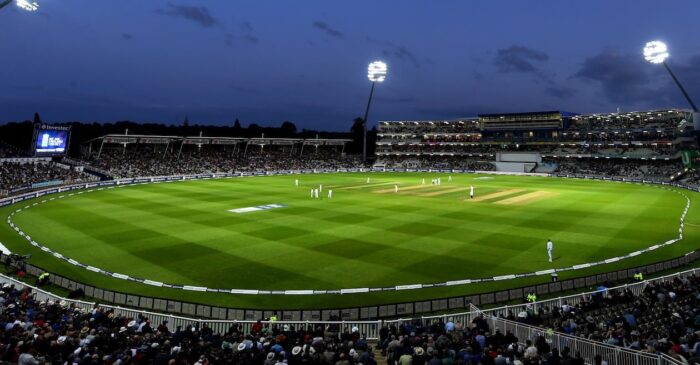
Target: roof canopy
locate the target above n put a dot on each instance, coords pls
(200, 140)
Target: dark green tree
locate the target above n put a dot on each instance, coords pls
(288, 129)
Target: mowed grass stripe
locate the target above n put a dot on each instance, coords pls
(402, 189)
(527, 198)
(496, 195)
(322, 243)
(443, 191)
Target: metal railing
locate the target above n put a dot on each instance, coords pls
(614, 355)
(588, 349)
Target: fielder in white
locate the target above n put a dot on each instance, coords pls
(471, 191)
(330, 193)
(449, 178)
(316, 193)
(396, 188)
(422, 182)
(312, 193)
(368, 180)
(296, 183)
(550, 247)
(320, 187)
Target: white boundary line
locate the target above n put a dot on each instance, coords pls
(344, 290)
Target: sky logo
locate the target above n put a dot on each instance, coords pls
(48, 141)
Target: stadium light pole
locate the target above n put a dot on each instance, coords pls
(376, 72)
(22, 4)
(656, 52)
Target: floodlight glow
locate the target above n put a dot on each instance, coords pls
(376, 71)
(655, 52)
(28, 6)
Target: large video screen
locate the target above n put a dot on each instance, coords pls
(51, 142)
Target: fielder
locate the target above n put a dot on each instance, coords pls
(471, 191)
(330, 193)
(422, 182)
(396, 188)
(550, 247)
(320, 187)
(296, 183)
(312, 193)
(368, 180)
(449, 178)
(316, 193)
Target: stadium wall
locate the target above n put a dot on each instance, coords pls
(355, 313)
(369, 319)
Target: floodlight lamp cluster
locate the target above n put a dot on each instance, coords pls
(655, 52)
(27, 5)
(376, 71)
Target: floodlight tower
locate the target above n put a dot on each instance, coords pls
(657, 52)
(22, 4)
(376, 72)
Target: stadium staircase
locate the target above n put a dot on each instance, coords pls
(378, 355)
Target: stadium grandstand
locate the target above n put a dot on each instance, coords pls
(117, 155)
(644, 144)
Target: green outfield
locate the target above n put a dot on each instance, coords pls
(367, 235)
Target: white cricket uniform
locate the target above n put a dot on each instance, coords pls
(471, 192)
(296, 182)
(422, 181)
(330, 193)
(449, 178)
(315, 193)
(320, 187)
(368, 180)
(396, 188)
(550, 247)
(312, 193)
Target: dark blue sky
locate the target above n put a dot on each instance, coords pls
(305, 61)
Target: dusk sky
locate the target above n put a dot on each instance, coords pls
(305, 61)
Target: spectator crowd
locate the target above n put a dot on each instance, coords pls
(14, 175)
(46, 332)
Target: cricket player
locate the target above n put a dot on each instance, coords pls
(449, 178)
(471, 191)
(330, 193)
(550, 247)
(368, 180)
(296, 183)
(396, 188)
(422, 182)
(316, 193)
(312, 193)
(439, 182)
(320, 187)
